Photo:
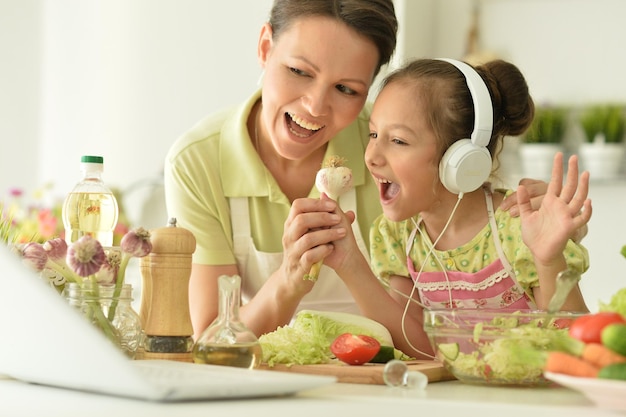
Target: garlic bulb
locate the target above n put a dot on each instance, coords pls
(34, 256)
(110, 268)
(85, 256)
(137, 242)
(333, 179)
(56, 249)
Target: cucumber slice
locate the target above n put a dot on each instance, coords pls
(450, 351)
(506, 322)
(384, 355)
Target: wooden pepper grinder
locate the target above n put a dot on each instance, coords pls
(164, 310)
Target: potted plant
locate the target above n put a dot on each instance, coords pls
(542, 140)
(602, 152)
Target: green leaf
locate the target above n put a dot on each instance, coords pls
(548, 125)
(607, 119)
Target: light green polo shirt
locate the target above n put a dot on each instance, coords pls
(216, 160)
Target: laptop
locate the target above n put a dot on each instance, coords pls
(46, 341)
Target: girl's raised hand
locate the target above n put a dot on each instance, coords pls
(564, 210)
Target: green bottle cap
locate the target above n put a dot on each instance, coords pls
(92, 159)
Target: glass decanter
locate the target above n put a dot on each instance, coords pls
(227, 341)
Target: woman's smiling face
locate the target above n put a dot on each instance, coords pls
(402, 153)
(317, 76)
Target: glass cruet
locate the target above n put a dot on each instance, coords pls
(227, 341)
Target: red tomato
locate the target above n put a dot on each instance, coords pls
(589, 328)
(355, 349)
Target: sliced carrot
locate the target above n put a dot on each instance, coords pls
(600, 355)
(564, 363)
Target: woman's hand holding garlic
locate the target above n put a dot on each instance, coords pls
(309, 228)
(333, 180)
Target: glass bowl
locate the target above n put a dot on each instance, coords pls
(485, 346)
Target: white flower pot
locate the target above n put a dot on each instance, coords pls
(537, 159)
(602, 160)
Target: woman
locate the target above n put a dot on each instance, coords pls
(243, 180)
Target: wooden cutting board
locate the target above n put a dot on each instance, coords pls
(369, 373)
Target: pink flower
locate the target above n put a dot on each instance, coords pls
(47, 223)
(480, 302)
(86, 256)
(121, 229)
(510, 296)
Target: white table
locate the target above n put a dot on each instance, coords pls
(450, 398)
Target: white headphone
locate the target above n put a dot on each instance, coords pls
(466, 165)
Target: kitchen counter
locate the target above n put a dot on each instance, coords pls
(340, 399)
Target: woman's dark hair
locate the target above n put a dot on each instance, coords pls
(442, 89)
(373, 19)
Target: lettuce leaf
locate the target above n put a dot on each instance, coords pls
(617, 303)
(517, 356)
(308, 338)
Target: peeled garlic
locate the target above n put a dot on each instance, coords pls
(333, 179)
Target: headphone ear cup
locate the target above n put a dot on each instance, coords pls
(464, 167)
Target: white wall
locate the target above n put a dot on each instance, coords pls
(124, 78)
(20, 69)
(120, 78)
(571, 51)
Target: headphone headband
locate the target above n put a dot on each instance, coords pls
(483, 109)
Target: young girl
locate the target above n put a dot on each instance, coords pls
(443, 239)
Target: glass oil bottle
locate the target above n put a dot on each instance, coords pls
(91, 207)
(227, 341)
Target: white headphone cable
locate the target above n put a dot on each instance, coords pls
(410, 298)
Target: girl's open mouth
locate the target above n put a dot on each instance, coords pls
(388, 190)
